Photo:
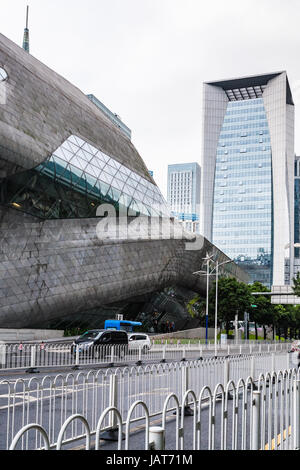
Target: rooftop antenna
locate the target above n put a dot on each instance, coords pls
(26, 33)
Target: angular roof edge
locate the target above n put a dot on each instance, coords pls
(251, 81)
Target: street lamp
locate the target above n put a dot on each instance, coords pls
(208, 259)
(218, 265)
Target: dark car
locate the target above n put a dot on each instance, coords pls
(98, 343)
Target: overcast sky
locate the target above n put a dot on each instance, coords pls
(146, 59)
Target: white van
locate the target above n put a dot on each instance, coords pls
(138, 341)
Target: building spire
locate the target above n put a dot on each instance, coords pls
(26, 33)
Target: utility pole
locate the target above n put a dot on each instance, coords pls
(216, 302)
(26, 33)
(236, 324)
(208, 259)
(207, 294)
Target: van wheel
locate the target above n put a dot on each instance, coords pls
(145, 350)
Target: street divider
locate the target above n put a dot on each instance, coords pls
(48, 401)
(247, 428)
(33, 358)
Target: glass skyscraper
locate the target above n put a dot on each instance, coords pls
(247, 190)
(242, 209)
(184, 194)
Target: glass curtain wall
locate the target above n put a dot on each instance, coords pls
(75, 180)
(242, 216)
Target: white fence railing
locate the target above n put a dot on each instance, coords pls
(48, 401)
(211, 343)
(231, 416)
(32, 357)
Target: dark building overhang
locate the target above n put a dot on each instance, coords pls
(250, 87)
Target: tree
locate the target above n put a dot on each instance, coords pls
(234, 297)
(200, 307)
(296, 286)
(263, 314)
(292, 317)
(283, 320)
(297, 321)
(296, 312)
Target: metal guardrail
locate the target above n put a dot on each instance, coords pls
(238, 418)
(50, 400)
(33, 357)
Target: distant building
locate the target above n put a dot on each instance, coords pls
(113, 117)
(247, 164)
(184, 194)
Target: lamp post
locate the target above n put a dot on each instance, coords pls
(207, 305)
(216, 302)
(208, 259)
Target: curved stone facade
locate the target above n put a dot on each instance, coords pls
(43, 109)
(53, 267)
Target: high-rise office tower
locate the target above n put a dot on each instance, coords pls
(247, 190)
(184, 194)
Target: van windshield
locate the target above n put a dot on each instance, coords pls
(90, 335)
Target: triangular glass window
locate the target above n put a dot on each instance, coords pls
(125, 170)
(135, 177)
(112, 163)
(71, 147)
(93, 171)
(87, 148)
(122, 177)
(138, 195)
(75, 171)
(131, 182)
(61, 154)
(106, 177)
(115, 194)
(104, 157)
(79, 141)
(128, 190)
(60, 166)
(72, 139)
(98, 163)
(109, 169)
(91, 181)
(118, 184)
(84, 155)
(78, 162)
